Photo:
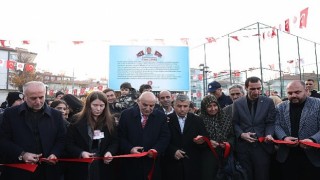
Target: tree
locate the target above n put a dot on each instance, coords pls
(19, 78)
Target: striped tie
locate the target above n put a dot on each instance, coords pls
(144, 120)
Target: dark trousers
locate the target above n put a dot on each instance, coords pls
(298, 167)
(256, 161)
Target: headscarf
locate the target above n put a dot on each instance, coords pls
(218, 126)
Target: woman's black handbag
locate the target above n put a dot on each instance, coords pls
(230, 169)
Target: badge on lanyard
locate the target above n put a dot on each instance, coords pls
(97, 134)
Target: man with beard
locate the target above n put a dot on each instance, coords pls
(297, 121)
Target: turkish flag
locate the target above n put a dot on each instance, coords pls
(10, 64)
(20, 66)
(77, 42)
(184, 40)
(273, 32)
(100, 87)
(200, 77)
(287, 25)
(235, 37)
(25, 42)
(67, 91)
(294, 19)
(290, 61)
(141, 53)
(215, 75)
(211, 39)
(3, 43)
(29, 67)
(157, 53)
(303, 18)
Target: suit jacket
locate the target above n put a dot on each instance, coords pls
(78, 140)
(17, 136)
(186, 168)
(262, 124)
(309, 127)
(155, 135)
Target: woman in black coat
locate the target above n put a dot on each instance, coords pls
(92, 135)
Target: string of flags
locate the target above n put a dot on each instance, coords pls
(303, 19)
(19, 66)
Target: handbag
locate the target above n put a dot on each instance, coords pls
(230, 169)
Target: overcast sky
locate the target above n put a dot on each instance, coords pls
(52, 24)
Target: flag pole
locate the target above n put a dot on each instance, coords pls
(316, 56)
(204, 70)
(299, 58)
(230, 78)
(280, 69)
(261, 70)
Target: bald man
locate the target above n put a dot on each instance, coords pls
(142, 128)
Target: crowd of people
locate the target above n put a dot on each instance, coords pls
(268, 137)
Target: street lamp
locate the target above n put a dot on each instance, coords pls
(204, 70)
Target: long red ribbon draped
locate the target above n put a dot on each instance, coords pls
(33, 167)
(207, 140)
(27, 167)
(311, 144)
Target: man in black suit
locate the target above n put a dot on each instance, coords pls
(254, 117)
(183, 156)
(142, 128)
(31, 131)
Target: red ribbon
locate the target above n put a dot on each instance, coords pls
(33, 167)
(27, 167)
(207, 140)
(311, 144)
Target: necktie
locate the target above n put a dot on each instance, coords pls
(144, 120)
(252, 110)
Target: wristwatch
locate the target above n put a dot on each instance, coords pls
(21, 156)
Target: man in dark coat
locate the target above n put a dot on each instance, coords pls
(182, 159)
(214, 88)
(31, 131)
(142, 128)
(254, 117)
